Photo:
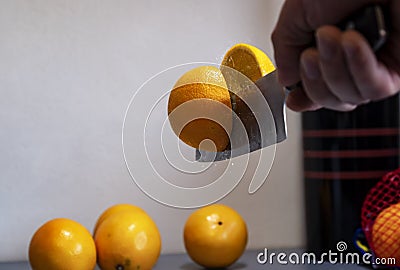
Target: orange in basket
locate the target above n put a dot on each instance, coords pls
(386, 233)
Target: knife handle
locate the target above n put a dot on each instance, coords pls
(371, 22)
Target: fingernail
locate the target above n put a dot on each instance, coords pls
(310, 67)
(327, 46)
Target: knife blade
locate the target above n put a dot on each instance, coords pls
(262, 115)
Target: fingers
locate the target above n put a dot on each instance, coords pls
(343, 73)
(334, 68)
(314, 93)
(315, 84)
(373, 79)
(296, 24)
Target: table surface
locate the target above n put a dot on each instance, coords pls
(247, 261)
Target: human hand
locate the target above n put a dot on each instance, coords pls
(343, 71)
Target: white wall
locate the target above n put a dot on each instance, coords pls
(67, 72)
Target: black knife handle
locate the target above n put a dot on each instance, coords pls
(371, 22)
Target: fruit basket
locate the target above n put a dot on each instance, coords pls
(380, 220)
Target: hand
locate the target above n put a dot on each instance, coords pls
(342, 72)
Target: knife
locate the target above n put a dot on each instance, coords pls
(262, 114)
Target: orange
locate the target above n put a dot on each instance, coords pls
(127, 240)
(242, 65)
(215, 236)
(62, 244)
(205, 85)
(115, 209)
(249, 60)
(386, 233)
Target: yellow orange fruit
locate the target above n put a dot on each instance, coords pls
(116, 209)
(62, 244)
(205, 118)
(242, 65)
(127, 240)
(386, 233)
(248, 60)
(215, 236)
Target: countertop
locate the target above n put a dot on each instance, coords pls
(247, 261)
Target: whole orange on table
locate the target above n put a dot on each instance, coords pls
(127, 239)
(116, 209)
(215, 236)
(62, 244)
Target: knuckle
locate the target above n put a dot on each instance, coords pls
(346, 107)
(379, 90)
(354, 101)
(384, 92)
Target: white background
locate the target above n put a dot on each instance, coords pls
(67, 72)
